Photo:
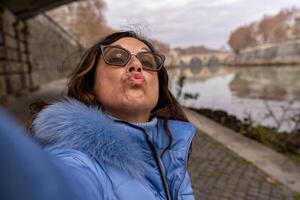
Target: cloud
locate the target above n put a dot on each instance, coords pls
(191, 22)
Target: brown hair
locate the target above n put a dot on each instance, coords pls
(81, 83)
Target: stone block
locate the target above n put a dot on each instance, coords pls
(8, 17)
(8, 29)
(25, 67)
(15, 83)
(12, 55)
(34, 62)
(2, 66)
(11, 42)
(2, 85)
(27, 78)
(22, 46)
(21, 36)
(8, 20)
(14, 67)
(2, 52)
(1, 38)
(24, 57)
(20, 26)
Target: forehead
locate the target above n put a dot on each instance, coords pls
(131, 44)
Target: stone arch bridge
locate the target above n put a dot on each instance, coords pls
(198, 60)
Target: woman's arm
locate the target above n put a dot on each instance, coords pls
(85, 175)
(28, 172)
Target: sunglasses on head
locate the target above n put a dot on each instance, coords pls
(116, 55)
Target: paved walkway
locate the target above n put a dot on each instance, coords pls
(220, 174)
(217, 172)
(49, 92)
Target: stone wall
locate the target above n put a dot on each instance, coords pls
(32, 53)
(273, 53)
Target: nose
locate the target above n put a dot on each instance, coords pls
(134, 64)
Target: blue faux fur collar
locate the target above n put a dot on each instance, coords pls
(73, 125)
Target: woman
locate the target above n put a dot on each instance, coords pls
(120, 134)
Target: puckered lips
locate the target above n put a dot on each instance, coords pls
(136, 78)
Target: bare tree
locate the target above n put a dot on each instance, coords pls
(83, 19)
(289, 115)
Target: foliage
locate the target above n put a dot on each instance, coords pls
(283, 26)
(180, 83)
(286, 143)
(241, 38)
(295, 158)
(269, 137)
(274, 28)
(297, 196)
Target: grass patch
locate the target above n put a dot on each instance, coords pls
(297, 196)
(295, 158)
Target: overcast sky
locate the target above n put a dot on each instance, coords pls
(190, 22)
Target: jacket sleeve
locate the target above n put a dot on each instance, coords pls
(186, 191)
(84, 175)
(28, 172)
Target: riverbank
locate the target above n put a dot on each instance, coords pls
(282, 142)
(263, 64)
(274, 52)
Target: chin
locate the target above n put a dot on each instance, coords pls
(136, 105)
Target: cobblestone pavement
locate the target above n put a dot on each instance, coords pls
(219, 174)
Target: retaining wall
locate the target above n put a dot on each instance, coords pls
(32, 53)
(287, 52)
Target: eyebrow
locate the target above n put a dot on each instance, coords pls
(144, 48)
(147, 49)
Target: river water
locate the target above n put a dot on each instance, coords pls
(270, 95)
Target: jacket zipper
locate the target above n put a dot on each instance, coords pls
(156, 158)
(168, 195)
(185, 166)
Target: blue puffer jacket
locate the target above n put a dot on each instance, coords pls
(105, 158)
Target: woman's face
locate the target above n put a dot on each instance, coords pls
(127, 92)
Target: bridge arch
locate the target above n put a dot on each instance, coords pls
(196, 64)
(213, 62)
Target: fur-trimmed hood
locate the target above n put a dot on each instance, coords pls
(71, 124)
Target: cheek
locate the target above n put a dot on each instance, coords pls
(154, 88)
(103, 81)
(98, 80)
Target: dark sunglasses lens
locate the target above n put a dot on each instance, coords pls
(150, 61)
(115, 56)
